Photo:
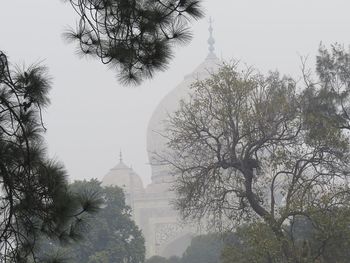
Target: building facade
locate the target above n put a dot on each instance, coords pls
(164, 233)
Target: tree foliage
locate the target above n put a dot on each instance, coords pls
(327, 97)
(253, 243)
(204, 248)
(157, 259)
(136, 37)
(110, 235)
(35, 200)
(245, 148)
(317, 240)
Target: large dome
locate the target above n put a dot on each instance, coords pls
(156, 143)
(123, 176)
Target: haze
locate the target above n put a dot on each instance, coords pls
(93, 117)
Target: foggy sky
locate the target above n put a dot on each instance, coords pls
(93, 117)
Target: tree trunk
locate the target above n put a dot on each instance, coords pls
(268, 218)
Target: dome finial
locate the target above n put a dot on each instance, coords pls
(120, 156)
(211, 40)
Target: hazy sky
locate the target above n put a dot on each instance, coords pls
(92, 116)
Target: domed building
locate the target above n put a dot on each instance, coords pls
(123, 176)
(152, 211)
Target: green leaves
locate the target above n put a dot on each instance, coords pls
(35, 203)
(254, 148)
(253, 243)
(110, 235)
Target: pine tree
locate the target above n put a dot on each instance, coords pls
(136, 37)
(34, 196)
(111, 235)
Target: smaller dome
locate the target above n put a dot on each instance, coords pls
(123, 176)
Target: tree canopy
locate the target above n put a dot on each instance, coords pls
(110, 235)
(317, 240)
(35, 200)
(203, 248)
(135, 37)
(247, 148)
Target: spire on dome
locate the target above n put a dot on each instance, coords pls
(211, 40)
(120, 156)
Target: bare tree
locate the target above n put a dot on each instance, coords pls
(243, 150)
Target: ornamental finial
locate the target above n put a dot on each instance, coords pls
(120, 156)
(211, 40)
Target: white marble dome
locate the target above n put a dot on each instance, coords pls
(156, 142)
(123, 176)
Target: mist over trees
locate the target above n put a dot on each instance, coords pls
(110, 235)
(255, 242)
(203, 248)
(254, 148)
(263, 156)
(322, 242)
(135, 37)
(35, 200)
